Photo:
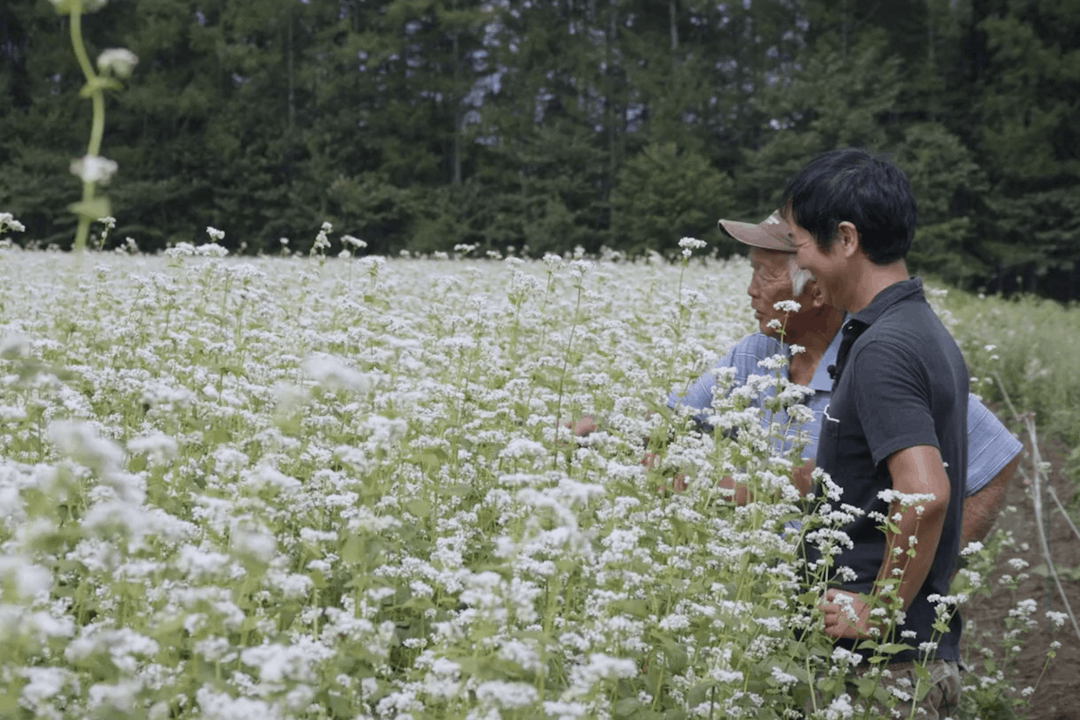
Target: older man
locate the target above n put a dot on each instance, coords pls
(993, 453)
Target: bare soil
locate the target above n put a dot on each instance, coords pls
(1057, 695)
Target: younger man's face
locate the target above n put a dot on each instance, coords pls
(826, 267)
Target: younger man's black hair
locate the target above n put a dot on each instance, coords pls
(864, 189)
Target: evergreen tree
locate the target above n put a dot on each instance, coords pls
(947, 184)
(664, 194)
(838, 100)
(1028, 138)
(549, 124)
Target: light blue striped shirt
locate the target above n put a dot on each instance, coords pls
(990, 445)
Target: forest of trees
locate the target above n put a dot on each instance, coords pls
(549, 124)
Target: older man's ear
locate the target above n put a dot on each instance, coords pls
(817, 298)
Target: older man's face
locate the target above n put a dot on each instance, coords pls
(770, 284)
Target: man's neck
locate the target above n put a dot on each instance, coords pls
(871, 280)
(815, 336)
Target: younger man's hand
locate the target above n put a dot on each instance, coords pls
(846, 615)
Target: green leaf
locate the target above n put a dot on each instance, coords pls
(353, 549)
(64, 7)
(1067, 573)
(893, 648)
(419, 507)
(217, 436)
(830, 685)
(9, 702)
(675, 655)
(456, 490)
(340, 706)
(97, 84)
(699, 693)
(633, 607)
(99, 207)
(864, 685)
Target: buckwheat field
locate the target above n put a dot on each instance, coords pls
(345, 488)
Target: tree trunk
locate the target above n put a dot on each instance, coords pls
(458, 120)
(291, 73)
(672, 11)
(843, 27)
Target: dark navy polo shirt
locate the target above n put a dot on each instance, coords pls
(900, 381)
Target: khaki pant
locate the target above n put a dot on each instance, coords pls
(940, 696)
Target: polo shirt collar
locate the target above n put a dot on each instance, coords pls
(892, 295)
(857, 324)
(822, 380)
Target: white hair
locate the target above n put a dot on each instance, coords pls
(799, 276)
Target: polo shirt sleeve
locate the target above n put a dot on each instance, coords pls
(892, 398)
(743, 358)
(699, 395)
(990, 446)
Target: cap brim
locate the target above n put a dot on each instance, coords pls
(754, 234)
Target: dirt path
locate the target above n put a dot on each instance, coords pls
(1057, 696)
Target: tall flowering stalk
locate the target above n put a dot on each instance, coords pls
(93, 169)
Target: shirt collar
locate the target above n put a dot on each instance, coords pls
(892, 295)
(822, 380)
(857, 324)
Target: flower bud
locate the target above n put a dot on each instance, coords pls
(118, 61)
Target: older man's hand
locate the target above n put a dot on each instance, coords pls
(583, 427)
(801, 477)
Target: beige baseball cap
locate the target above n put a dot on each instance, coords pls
(772, 233)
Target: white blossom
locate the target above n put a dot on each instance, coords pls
(788, 306)
(117, 61)
(94, 169)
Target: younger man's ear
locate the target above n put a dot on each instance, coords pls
(848, 237)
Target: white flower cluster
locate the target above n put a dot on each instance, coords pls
(788, 306)
(8, 222)
(689, 245)
(277, 489)
(94, 169)
(322, 239)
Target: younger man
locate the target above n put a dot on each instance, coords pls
(897, 417)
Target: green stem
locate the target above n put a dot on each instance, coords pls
(678, 334)
(97, 128)
(566, 358)
(77, 43)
